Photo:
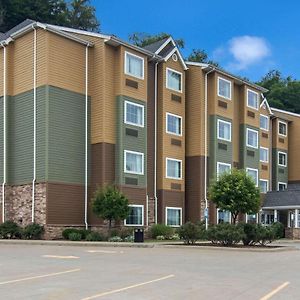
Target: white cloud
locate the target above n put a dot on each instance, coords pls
(247, 50)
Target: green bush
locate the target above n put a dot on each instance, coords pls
(129, 239)
(265, 234)
(10, 230)
(279, 230)
(83, 233)
(225, 234)
(75, 236)
(115, 239)
(190, 232)
(33, 231)
(250, 233)
(161, 230)
(94, 237)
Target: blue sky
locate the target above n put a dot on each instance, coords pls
(248, 38)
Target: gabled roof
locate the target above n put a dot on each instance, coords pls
(156, 45)
(265, 102)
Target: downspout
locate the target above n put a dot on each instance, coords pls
(155, 140)
(34, 124)
(86, 140)
(4, 133)
(205, 149)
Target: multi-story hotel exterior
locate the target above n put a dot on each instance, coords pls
(81, 110)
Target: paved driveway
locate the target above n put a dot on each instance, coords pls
(60, 272)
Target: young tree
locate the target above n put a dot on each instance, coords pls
(110, 204)
(235, 192)
(200, 55)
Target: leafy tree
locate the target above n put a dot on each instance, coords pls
(235, 192)
(200, 55)
(110, 204)
(142, 39)
(73, 13)
(283, 91)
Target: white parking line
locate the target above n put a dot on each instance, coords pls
(275, 291)
(101, 251)
(60, 256)
(127, 288)
(39, 276)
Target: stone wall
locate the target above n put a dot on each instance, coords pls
(18, 203)
(292, 233)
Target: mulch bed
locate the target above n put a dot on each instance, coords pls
(232, 246)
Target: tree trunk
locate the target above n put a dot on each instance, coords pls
(234, 216)
(109, 224)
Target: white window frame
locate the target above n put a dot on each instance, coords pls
(136, 205)
(286, 128)
(283, 183)
(219, 164)
(218, 127)
(256, 170)
(247, 144)
(247, 215)
(125, 65)
(286, 158)
(170, 132)
(230, 216)
(264, 161)
(167, 80)
(267, 181)
(166, 215)
(133, 152)
(266, 117)
(249, 90)
(125, 113)
(177, 160)
(221, 78)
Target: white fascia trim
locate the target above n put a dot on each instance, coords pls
(173, 115)
(137, 153)
(285, 112)
(247, 144)
(167, 81)
(180, 57)
(176, 160)
(281, 207)
(286, 128)
(138, 57)
(218, 127)
(218, 89)
(267, 181)
(266, 117)
(283, 183)
(267, 149)
(125, 113)
(249, 90)
(286, 158)
(166, 215)
(265, 101)
(136, 205)
(197, 64)
(255, 170)
(170, 39)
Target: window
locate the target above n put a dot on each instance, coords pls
(224, 130)
(223, 216)
(134, 65)
(173, 168)
(252, 99)
(174, 80)
(222, 168)
(264, 154)
(254, 174)
(136, 216)
(282, 159)
(264, 122)
(251, 218)
(134, 162)
(252, 138)
(281, 186)
(174, 124)
(224, 88)
(173, 216)
(264, 186)
(282, 128)
(134, 114)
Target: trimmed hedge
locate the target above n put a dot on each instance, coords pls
(33, 232)
(190, 232)
(161, 230)
(10, 230)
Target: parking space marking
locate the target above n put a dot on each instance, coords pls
(127, 288)
(102, 251)
(39, 276)
(60, 256)
(275, 291)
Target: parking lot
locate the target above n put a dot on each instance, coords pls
(67, 272)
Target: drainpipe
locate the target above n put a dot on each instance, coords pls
(205, 150)
(86, 139)
(4, 133)
(34, 124)
(155, 140)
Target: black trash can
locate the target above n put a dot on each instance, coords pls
(138, 235)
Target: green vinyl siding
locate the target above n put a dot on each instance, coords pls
(131, 143)
(279, 173)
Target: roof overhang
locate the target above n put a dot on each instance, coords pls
(179, 55)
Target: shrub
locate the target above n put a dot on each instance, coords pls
(161, 230)
(33, 231)
(74, 236)
(265, 234)
(67, 231)
(250, 233)
(83, 233)
(190, 232)
(129, 239)
(94, 237)
(125, 232)
(160, 238)
(225, 234)
(115, 239)
(10, 230)
(279, 230)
